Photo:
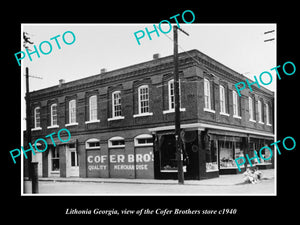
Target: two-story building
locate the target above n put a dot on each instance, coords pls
(122, 121)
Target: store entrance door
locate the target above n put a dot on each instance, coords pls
(165, 161)
(72, 161)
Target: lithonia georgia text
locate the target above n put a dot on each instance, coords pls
(146, 211)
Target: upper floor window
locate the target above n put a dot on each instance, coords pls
(251, 109)
(259, 107)
(53, 112)
(236, 107)
(143, 95)
(222, 100)
(171, 94)
(171, 97)
(93, 108)
(72, 111)
(37, 119)
(116, 104)
(267, 114)
(207, 96)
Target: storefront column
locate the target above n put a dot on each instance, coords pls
(202, 156)
(45, 162)
(129, 149)
(246, 149)
(104, 173)
(80, 148)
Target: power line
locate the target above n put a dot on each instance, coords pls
(199, 63)
(105, 101)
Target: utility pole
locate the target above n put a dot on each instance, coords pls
(179, 153)
(28, 121)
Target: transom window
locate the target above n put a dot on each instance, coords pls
(143, 140)
(116, 142)
(92, 143)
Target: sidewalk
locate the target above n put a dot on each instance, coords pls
(222, 180)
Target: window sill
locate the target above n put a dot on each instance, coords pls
(36, 128)
(207, 171)
(71, 124)
(142, 145)
(143, 114)
(253, 121)
(116, 146)
(53, 126)
(224, 114)
(92, 121)
(260, 122)
(116, 118)
(209, 110)
(268, 124)
(237, 117)
(173, 110)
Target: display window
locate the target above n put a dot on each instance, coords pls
(168, 160)
(212, 157)
(229, 151)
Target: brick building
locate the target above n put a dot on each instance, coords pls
(122, 121)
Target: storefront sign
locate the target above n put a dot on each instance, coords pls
(118, 163)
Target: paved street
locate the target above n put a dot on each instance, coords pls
(225, 184)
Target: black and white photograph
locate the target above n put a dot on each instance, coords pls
(115, 94)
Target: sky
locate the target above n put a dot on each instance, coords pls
(240, 47)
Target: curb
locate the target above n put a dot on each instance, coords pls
(205, 182)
